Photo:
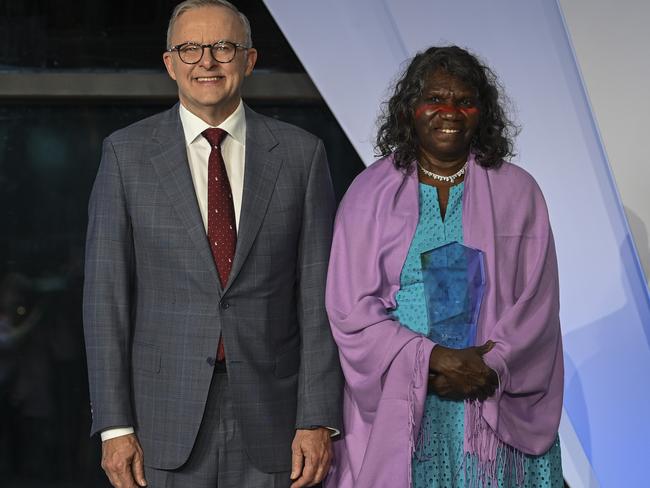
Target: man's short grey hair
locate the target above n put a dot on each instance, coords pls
(192, 4)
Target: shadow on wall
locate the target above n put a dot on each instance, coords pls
(613, 350)
(640, 233)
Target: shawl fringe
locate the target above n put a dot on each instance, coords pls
(486, 456)
(415, 383)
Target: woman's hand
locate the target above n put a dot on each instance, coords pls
(461, 374)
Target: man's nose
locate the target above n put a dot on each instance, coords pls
(207, 61)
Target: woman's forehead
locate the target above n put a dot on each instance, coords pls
(441, 79)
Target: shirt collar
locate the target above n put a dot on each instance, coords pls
(234, 125)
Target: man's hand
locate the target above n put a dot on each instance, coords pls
(311, 456)
(122, 460)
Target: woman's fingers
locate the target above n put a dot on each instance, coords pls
(484, 348)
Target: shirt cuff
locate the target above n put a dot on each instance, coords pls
(333, 432)
(112, 433)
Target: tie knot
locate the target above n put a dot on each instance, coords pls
(214, 136)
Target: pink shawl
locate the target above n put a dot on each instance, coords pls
(386, 365)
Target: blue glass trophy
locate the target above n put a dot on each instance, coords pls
(454, 282)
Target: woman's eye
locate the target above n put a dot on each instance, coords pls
(467, 102)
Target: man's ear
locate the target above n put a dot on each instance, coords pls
(169, 64)
(251, 59)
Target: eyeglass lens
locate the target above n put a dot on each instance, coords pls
(222, 52)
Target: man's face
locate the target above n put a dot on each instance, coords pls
(209, 89)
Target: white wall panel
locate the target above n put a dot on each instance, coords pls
(612, 43)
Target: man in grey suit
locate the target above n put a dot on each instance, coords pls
(210, 358)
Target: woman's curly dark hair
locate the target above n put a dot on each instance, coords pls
(493, 140)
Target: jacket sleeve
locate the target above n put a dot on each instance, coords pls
(320, 379)
(107, 296)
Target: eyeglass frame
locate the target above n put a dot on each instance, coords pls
(236, 45)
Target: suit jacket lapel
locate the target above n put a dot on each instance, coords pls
(260, 174)
(169, 158)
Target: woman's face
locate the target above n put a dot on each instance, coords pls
(446, 118)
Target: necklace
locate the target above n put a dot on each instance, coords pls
(446, 179)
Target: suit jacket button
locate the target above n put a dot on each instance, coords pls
(210, 360)
(225, 305)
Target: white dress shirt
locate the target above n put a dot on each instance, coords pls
(233, 150)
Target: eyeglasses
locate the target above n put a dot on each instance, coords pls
(221, 51)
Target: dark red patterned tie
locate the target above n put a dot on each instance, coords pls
(221, 213)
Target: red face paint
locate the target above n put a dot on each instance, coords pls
(431, 107)
(444, 108)
(469, 111)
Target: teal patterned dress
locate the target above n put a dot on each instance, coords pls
(439, 459)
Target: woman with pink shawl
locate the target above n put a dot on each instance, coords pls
(417, 413)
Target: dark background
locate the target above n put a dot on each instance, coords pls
(49, 152)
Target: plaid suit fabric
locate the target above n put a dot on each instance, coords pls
(154, 309)
(218, 445)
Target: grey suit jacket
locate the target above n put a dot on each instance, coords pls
(154, 308)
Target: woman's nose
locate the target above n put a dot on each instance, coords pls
(449, 112)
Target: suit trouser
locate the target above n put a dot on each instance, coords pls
(218, 458)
